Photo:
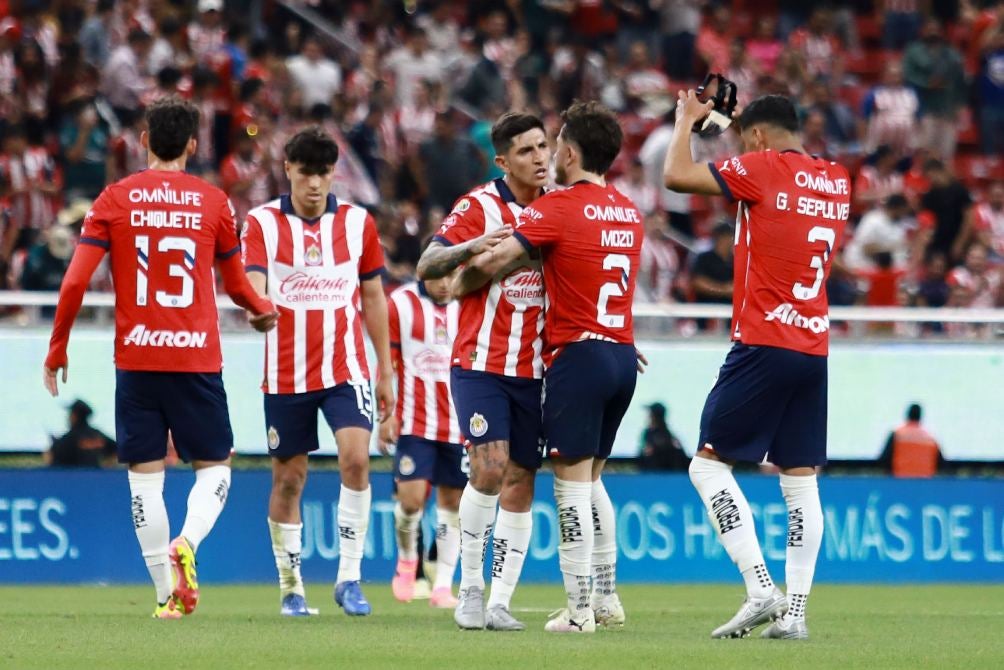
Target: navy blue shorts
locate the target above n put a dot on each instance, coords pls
(769, 402)
(291, 418)
(492, 407)
(587, 390)
(192, 405)
(441, 463)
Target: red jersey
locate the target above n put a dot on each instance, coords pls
(164, 230)
(590, 238)
(421, 338)
(314, 268)
(792, 213)
(500, 323)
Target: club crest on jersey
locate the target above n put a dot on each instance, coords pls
(462, 206)
(479, 425)
(312, 256)
(273, 438)
(442, 337)
(406, 466)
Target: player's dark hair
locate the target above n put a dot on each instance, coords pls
(314, 149)
(774, 110)
(171, 122)
(914, 412)
(509, 125)
(594, 130)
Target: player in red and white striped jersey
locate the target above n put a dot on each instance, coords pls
(497, 370)
(423, 325)
(320, 260)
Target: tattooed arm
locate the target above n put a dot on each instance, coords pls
(438, 260)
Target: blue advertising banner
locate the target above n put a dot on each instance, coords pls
(75, 526)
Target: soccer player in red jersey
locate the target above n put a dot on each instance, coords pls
(423, 325)
(164, 230)
(589, 236)
(321, 262)
(496, 371)
(770, 396)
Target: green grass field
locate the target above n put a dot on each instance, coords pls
(947, 626)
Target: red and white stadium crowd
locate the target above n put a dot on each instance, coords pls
(909, 94)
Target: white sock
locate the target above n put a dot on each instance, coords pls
(604, 560)
(406, 526)
(733, 521)
(149, 520)
(575, 543)
(512, 539)
(447, 546)
(805, 535)
(353, 521)
(477, 518)
(287, 543)
(205, 502)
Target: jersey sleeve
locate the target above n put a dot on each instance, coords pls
(539, 224)
(253, 254)
(465, 222)
(743, 177)
(97, 222)
(371, 261)
(226, 232)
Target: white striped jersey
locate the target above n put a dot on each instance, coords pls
(421, 336)
(314, 268)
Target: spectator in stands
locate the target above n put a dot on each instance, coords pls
(316, 76)
(817, 45)
(417, 120)
(681, 19)
(30, 180)
(365, 141)
(711, 275)
(207, 34)
(990, 88)
(947, 200)
(660, 449)
(245, 174)
(764, 47)
(83, 446)
(714, 40)
(31, 92)
(659, 262)
(975, 283)
(94, 36)
(878, 179)
(643, 81)
(170, 48)
(440, 27)
(814, 136)
(841, 126)
(413, 63)
(911, 451)
(127, 153)
(890, 110)
(47, 261)
(985, 224)
(933, 289)
(634, 185)
(882, 230)
(124, 81)
(84, 143)
(900, 22)
(448, 164)
(935, 70)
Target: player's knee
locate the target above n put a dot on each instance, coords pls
(410, 499)
(517, 489)
(488, 466)
(288, 485)
(355, 469)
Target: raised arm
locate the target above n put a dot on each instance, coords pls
(679, 171)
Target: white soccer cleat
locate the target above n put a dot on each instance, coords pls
(562, 621)
(754, 612)
(470, 611)
(498, 617)
(608, 611)
(786, 629)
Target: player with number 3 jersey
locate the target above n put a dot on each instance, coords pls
(770, 396)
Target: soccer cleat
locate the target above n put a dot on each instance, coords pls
(786, 629)
(754, 612)
(169, 610)
(499, 618)
(293, 604)
(608, 611)
(186, 586)
(349, 596)
(470, 611)
(562, 621)
(403, 584)
(423, 590)
(442, 598)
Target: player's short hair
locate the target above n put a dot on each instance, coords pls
(594, 130)
(314, 149)
(774, 110)
(914, 412)
(509, 125)
(171, 122)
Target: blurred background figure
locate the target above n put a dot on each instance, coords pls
(911, 451)
(83, 446)
(660, 449)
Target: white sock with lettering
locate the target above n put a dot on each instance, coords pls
(575, 544)
(353, 522)
(149, 520)
(604, 560)
(406, 527)
(512, 539)
(477, 518)
(287, 544)
(805, 536)
(205, 502)
(732, 519)
(447, 546)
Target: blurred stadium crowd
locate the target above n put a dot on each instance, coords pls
(909, 94)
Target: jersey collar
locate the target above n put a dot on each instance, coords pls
(422, 291)
(286, 207)
(504, 191)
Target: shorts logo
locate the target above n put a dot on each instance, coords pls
(273, 438)
(479, 425)
(406, 467)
